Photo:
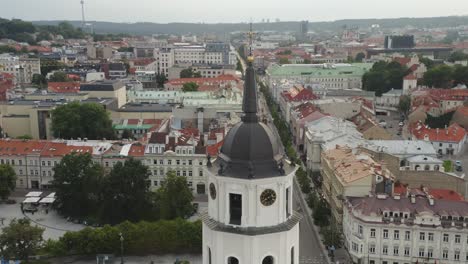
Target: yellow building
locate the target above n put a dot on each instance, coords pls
(354, 174)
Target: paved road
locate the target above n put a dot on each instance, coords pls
(310, 250)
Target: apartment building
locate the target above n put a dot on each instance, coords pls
(319, 76)
(348, 173)
(22, 68)
(178, 152)
(405, 230)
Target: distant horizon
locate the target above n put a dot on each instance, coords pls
(220, 12)
(240, 22)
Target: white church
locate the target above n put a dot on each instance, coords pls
(250, 218)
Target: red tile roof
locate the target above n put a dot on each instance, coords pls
(299, 94)
(136, 150)
(21, 147)
(213, 150)
(33, 48)
(63, 87)
(53, 149)
(454, 133)
(133, 121)
(142, 61)
(305, 109)
(445, 194)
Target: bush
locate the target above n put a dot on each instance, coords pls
(143, 238)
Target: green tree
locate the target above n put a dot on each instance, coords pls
(322, 214)
(7, 49)
(161, 79)
(383, 77)
(19, 240)
(7, 181)
(458, 56)
(239, 66)
(360, 56)
(39, 80)
(25, 137)
(126, 193)
(331, 235)
(284, 61)
(404, 104)
(77, 182)
(175, 197)
(439, 77)
(59, 77)
(48, 65)
(84, 120)
(428, 62)
(307, 61)
(127, 134)
(189, 73)
(460, 75)
(190, 87)
(439, 121)
(125, 49)
(43, 35)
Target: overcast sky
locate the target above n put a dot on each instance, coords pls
(211, 11)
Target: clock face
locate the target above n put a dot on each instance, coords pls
(212, 191)
(268, 197)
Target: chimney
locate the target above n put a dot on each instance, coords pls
(413, 199)
(431, 200)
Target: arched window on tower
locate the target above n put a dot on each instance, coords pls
(292, 255)
(268, 260)
(232, 260)
(209, 255)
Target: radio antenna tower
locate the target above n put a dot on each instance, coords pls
(83, 22)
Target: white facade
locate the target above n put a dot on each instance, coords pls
(241, 239)
(396, 235)
(183, 162)
(22, 68)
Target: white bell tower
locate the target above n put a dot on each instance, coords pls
(250, 218)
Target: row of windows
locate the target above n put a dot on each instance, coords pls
(422, 235)
(177, 162)
(407, 252)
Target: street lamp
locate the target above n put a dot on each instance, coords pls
(121, 248)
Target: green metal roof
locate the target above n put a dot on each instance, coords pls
(356, 70)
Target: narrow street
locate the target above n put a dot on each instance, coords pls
(310, 250)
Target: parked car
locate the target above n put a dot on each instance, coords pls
(401, 124)
(459, 168)
(458, 163)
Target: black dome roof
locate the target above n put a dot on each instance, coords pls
(250, 149)
(250, 142)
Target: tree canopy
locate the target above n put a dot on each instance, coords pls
(190, 87)
(7, 181)
(77, 181)
(383, 77)
(175, 197)
(126, 193)
(458, 56)
(439, 77)
(404, 104)
(59, 77)
(84, 120)
(189, 73)
(19, 239)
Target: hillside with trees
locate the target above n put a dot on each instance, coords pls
(23, 31)
(147, 28)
